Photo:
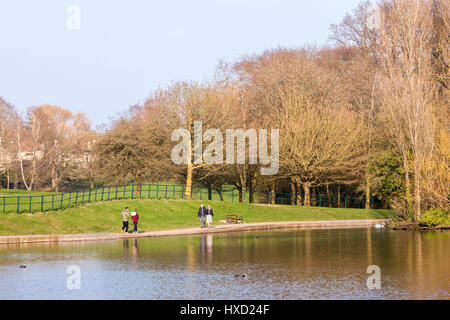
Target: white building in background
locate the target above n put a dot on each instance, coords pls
(28, 156)
(5, 157)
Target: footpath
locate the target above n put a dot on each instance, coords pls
(329, 224)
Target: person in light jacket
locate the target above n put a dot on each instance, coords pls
(125, 217)
(209, 215)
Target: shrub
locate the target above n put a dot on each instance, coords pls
(435, 216)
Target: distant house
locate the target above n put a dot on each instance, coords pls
(6, 158)
(28, 156)
(81, 161)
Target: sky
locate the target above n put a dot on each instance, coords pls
(102, 56)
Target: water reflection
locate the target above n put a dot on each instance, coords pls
(126, 245)
(135, 250)
(206, 248)
(295, 264)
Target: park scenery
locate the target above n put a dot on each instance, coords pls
(284, 164)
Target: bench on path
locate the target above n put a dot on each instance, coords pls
(232, 218)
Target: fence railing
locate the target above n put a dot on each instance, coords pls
(58, 201)
(323, 200)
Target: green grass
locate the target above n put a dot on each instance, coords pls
(16, 192)
(166, 214)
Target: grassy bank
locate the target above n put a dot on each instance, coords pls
(166, 214)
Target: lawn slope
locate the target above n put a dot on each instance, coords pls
(167, 214)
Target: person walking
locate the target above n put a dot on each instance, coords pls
(202, 215)
(125, 217)
(135, 218)
(209, 215)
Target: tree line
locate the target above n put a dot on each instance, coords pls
(367, 115)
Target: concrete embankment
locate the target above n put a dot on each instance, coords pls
(193, 231)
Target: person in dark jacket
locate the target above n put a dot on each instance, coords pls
(209, 215)
(202, 215)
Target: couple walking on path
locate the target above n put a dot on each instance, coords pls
(205, 214)
(126, 216)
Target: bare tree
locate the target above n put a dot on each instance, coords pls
(358, 68)
(81, 157)
(187, 105)
(29, 147)
(404, 53)
(357, 29)
(319, 141)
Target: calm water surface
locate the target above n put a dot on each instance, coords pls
(299, 264)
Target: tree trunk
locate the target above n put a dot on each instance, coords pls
(54, 180)
(367, 191)
(243, 181)
(328, 195)
(219, 191)
(313, 196)
(138, 186)
(190, 167)
(19, 145)
(210, 189)
(299, 197)
(409, 200)
(16, 181)
(251, 191)
(339, 196)
(243, 194)
(298, 192)
(293, 193)
(306, 189)
(272, 195)
(417, 200)
(187, 193)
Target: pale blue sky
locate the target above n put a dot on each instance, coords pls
(125, 49)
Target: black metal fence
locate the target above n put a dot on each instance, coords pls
(323, 200)
(57, 201)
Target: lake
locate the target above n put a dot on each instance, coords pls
(293, 264)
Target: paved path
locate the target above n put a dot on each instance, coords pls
(190, 231)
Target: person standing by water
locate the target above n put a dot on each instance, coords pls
(202, 214)
(135, 218)
(209, 215)
(125, 217)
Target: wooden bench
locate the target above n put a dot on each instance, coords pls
(232, 218)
